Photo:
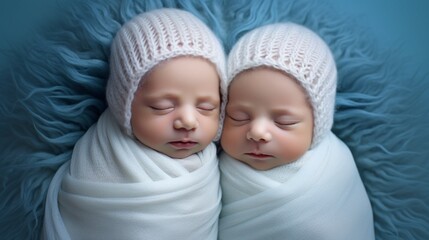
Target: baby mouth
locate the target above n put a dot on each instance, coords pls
(183, 144)
(259, 155)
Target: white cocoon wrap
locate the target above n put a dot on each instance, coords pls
(149, 195)
(324, 200)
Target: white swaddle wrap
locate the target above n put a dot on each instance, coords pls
(324, 200)
(116, 188)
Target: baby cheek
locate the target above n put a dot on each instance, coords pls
(150, 128)
(161, 123)
(292, 149)
(231, 139)
(214, 126)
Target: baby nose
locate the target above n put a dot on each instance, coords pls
(259, 131)
(186, 119)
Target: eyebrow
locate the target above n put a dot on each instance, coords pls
(276, 110)
(244, 106)
(152, 96)
(208, 98)
(174, 96)
(284, 110)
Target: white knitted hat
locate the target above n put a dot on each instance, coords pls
(150, 38)
(299, 52)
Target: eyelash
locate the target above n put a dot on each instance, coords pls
(237, 120)
(205, 109)
(209, 109)
(277, 123)
(160, 109)
(286, 124)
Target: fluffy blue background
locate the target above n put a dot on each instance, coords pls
(54, 66)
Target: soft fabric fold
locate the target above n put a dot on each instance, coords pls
(116, 188)
(324, 199)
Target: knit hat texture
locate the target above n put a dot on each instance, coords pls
(300, 53)
(147, 40)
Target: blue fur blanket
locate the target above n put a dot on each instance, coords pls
(54, 67)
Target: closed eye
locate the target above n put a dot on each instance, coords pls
(160, 108)
(286, 124)
(238, 119)
(160, 104)
(206, 106)
(237, 115)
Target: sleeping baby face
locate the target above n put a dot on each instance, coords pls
(176, 109)
(269, 121)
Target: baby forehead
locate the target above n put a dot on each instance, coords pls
(265, 82)
(182, 70)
